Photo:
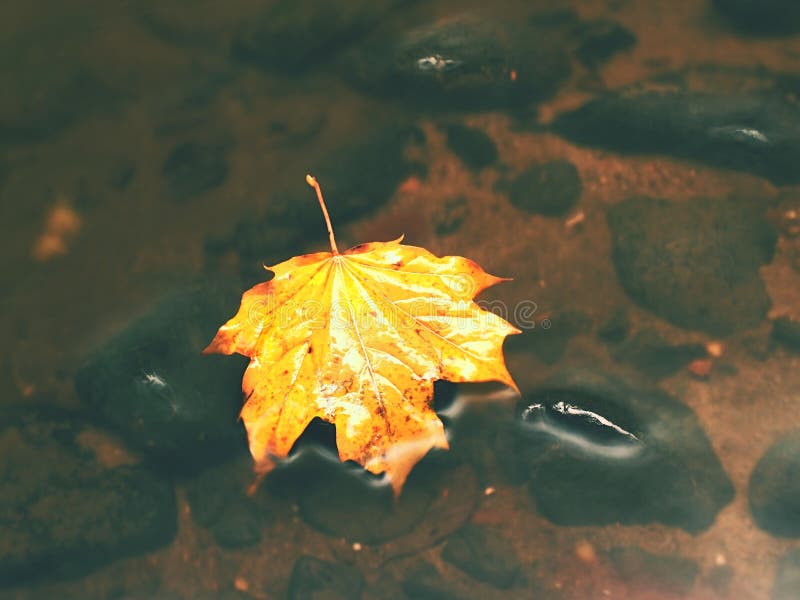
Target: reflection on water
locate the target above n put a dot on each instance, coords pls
(630, 164)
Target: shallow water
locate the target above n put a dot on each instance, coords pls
(631, 164)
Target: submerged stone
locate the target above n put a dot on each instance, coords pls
(550, 338)
(600, 40)
(483, 554)
(756, 133)
(358, 179)
(193, 168)
(313, 578)
(364, 508)
(219, 501)
(64, 511)
(472, 146)
(774, 489)
(694, 263)
(762, 16)
(291, 36)
(462, 62)
(48, 87)
(551, 189)
(786, 330)
(153, 385)
(651, 354)
(600, 451)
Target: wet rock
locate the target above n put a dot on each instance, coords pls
(654, 356)
(472, 146)
(483, 554)
(219, 501)
(615, 328)
(786, 330)
(152, 384)
(761, 16)
(290, 36)
(462, 62)
(600, 40)
(194, 168)
(313, 578)
(357, 178)
(787, 579)
(424, 582)
(654, 573)
(64, 511)
(363, 509)
(549, 339)
(696, 263)
(551, 189)
(600, 451)
(774, 489)
(756, 133)
(238, 526)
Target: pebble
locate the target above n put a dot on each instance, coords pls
(696, 263)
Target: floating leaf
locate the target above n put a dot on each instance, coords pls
(357, 338)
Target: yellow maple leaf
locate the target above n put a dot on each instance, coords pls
(357, 338)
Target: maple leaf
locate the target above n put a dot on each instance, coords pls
(357, 338)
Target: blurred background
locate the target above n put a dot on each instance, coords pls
(631, 164)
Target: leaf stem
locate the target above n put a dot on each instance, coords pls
(313, 183)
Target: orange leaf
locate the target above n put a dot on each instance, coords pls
(357, 338)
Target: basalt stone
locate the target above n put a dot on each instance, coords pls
(219, 501)
(694, 263)
(774, 489)
(600, 40)
(649, 572)
(762, 16)
(551, 189)
(363, 509)
(600, 451)
(462, 62)
(313, 578)
(239, 525)
(194, 168)
(787, 579)
(651, 354)
(65, 512)
(756, 133)
(483, 554)
(472, 146)
(290, 36)
(153, 385)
